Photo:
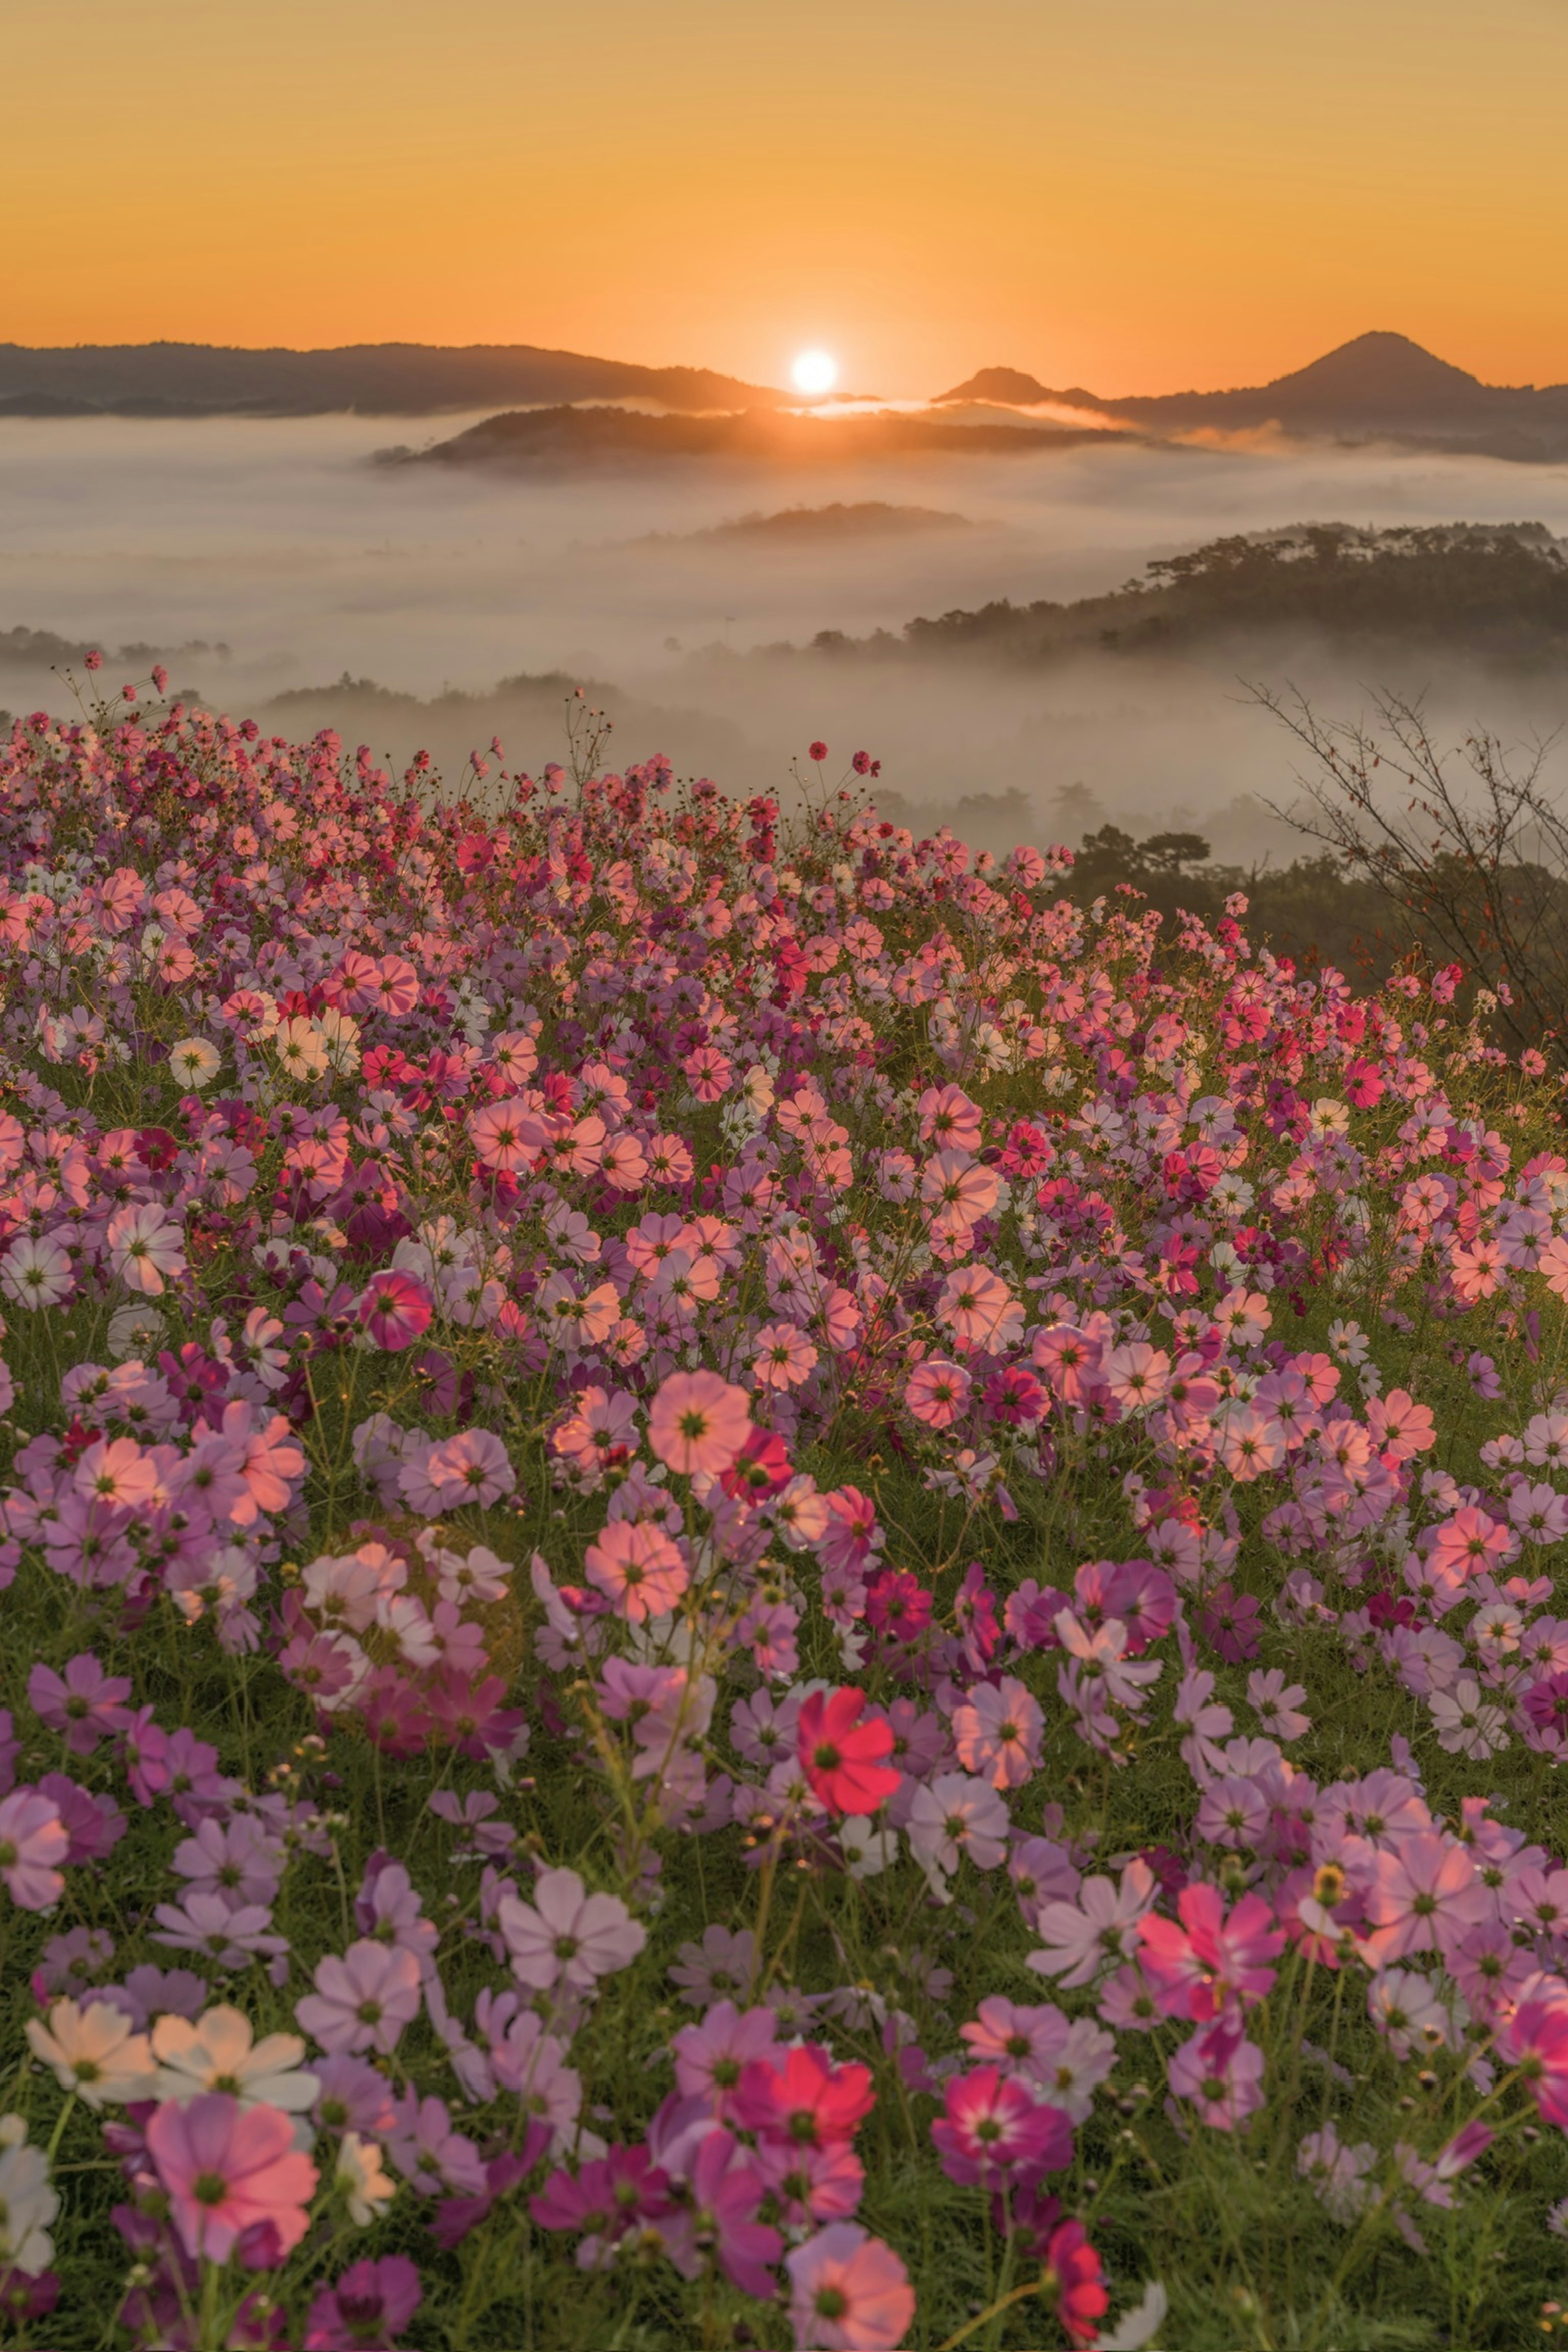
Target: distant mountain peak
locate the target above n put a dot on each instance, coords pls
(1381, 367)
(1013, 389)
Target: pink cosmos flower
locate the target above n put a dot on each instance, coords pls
(395, 1309)
(712, 2057)
(363, 2001)
(226, 2169)
(937, 1392)
(86, 1705)
(33, 1841)
(978, 1307)
(1424, 1897)
(1470, 1543)
(948, 1116)
(567, 1934)
(1221, 2072)
(471, 1467)
(1102, 1926)
(506, 1137)
(997, 1731)
(1209, 1959)
(848, 2292)
(799, 2095)
(783, 1357)
(145, 1247)
(638, 1567)
(699, 1422)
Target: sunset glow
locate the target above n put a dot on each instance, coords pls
(815, 372)
(1132, 200)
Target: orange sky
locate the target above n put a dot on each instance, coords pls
(1135, 196)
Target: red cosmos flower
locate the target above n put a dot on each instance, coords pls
(800, 2095)
(1074, 2266)
(816, 751)
(841, 1756)
(760, 1469)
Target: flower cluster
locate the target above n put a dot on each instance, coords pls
(660, 1461)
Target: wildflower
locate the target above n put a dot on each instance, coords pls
(370, 2302)
(992, 2126)
(27, 2203)
(144, 1248)
(33, 1841)
(395, 1310)
(848, 2292)
(194, 1062)
(218, 2051)
(567, 1934)
(637, 1567)
(699, 1422)
(997, 1732)
(94, 2052)
(226, 2169)
(1078, 1938)
(363, 2001)
(843, 1756)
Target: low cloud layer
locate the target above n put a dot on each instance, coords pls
(283, 542)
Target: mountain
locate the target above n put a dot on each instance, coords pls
(1013, 389)
(1379, 385)
(376, 379)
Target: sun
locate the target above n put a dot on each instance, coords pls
(814, 372)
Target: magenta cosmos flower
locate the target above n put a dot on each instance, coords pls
(699, 1422)
(395, 1309)
(848, 2292)
(227, 2168)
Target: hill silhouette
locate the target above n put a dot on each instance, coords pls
(375, 379)
(560, 438)
(1379, 384)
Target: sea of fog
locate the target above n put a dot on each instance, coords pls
(284, 542)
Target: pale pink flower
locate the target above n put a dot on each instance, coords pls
(37, 1271)
(699, 1422)
(937, 1392)
(638, 1567)
(997, 1730)
(567, 1934)
(226, 2169)
(782, 1357)
(363, 2001)
(1423, 1897)
(848, 2292)
(955, 1815)
(1081, 1938)
(145, 1247)
(33, 1840)
(505, 1136)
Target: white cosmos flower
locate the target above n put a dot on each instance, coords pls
(94, 2052)
(27, 2203)
(36, 1271)
(219, 2053)
(363, 2177)
(195, 1062)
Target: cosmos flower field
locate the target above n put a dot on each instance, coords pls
(759, 1589)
